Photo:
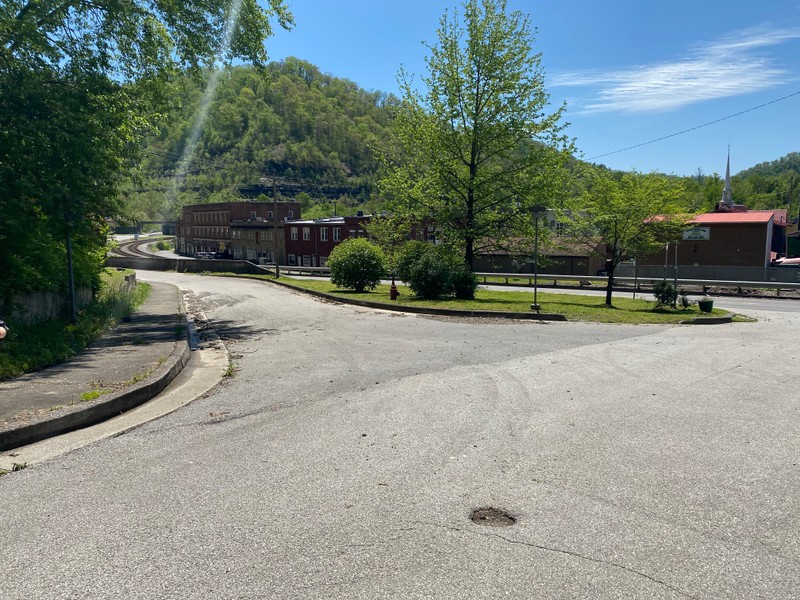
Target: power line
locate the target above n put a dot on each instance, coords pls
(671, 135)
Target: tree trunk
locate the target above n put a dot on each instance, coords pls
(469, 253)
(610, 285)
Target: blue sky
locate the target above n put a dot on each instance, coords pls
(630, 71)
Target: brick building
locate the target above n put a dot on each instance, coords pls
(309, 243)
(243, 229)
(730, 236)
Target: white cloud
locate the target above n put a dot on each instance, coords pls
(727, 67)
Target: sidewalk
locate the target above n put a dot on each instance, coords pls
(124, 368)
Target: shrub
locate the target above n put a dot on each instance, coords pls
(435, 271)
(684, 300)
(666, 294)
(410, 254)
(465, 282)
(356, 264)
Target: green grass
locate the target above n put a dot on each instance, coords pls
(574, 307)
(527, 281)
(30, 347)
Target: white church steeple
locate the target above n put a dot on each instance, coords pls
(726, 204)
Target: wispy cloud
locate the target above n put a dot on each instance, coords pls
(728, 67)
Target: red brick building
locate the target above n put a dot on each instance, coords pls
(309, 243)
(730, 236)
(243, 229)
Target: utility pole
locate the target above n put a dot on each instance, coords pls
(275, 252)
(73, 300)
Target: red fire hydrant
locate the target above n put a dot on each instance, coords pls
(393, 293)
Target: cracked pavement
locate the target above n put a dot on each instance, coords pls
(344, 457)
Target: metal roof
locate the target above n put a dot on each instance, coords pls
(752, 217)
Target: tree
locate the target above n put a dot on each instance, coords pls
(478, 149)
(357, 264)
(628, 215)
(82, 81)
(389, 233)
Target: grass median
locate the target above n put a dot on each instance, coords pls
(574, 307)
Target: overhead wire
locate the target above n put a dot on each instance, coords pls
(677, 133)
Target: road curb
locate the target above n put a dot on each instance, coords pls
(709, 320)
(443, 312)
(103, 408)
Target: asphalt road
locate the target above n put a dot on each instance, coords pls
(345, 456)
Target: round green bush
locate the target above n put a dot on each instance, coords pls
(434, 271)
(356, 264)
(666, 294)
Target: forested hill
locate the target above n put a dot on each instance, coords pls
(770, 185)
(313, 132)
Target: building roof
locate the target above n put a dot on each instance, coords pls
(751, 217)
(343, 220)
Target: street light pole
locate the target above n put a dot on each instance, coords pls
(537, 210)
(675, 277)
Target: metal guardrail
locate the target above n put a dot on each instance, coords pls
(545, 279)
(773, 285)
(294, 270)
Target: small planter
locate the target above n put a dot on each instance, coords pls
(705, 305)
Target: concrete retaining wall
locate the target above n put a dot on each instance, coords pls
(182, 265)
(42, 306)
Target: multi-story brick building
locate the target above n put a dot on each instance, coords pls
(309, 243)
(244, 229)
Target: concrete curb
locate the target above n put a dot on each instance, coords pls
(105, 407)
(444, 312)
(452, 312)
(709, 320)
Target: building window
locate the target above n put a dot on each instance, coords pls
(292, 260)
(337, 234)
(323, 261)
(306, 233)
(323, 234)
(291, 214)
(294, 233)
(270, 237)
(252, 214)
(306, 260)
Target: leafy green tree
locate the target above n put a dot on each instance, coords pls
(356, 264)
(629, 214)
(478, 148)
(389, 232)
(82, 81)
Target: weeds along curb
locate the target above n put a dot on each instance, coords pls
(106, 406)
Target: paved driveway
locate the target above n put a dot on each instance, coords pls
(344, 458)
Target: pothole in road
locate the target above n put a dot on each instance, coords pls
(492, 517)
